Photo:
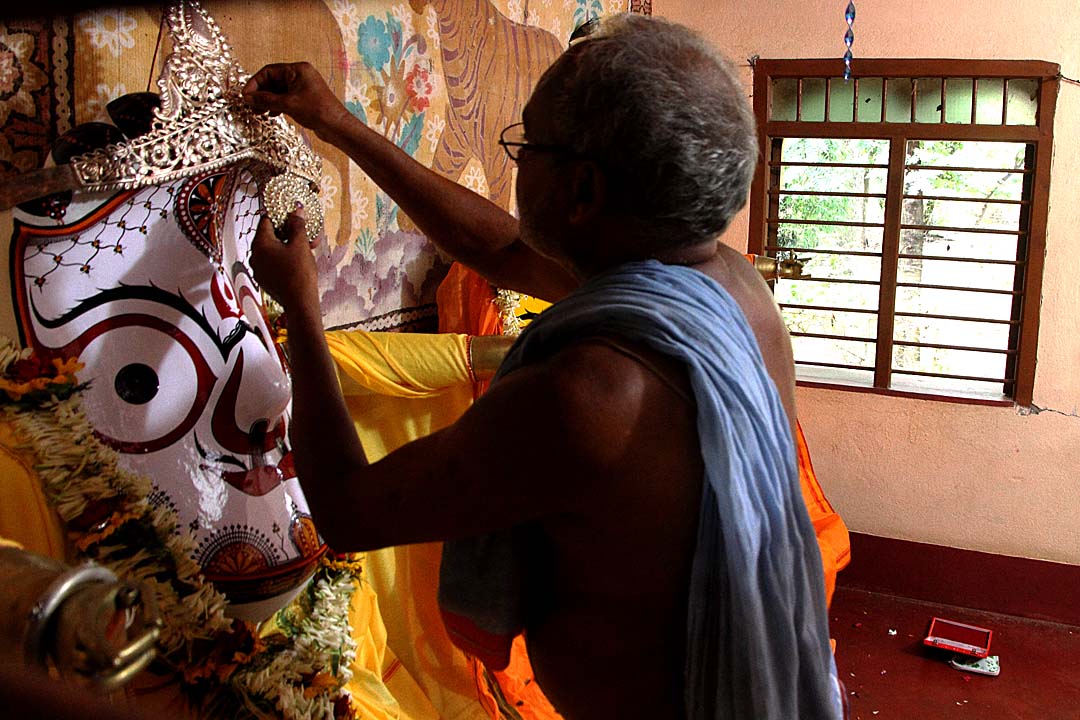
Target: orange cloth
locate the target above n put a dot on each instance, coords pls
(832, 533)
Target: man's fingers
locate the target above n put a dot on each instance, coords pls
(268, 89)
(265, 102)
(265, 235)
(296, 225)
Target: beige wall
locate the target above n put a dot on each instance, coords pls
(984, 478)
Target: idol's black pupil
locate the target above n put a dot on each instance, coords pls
(136, 383)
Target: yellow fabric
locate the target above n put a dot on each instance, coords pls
(399, 387)
(25, 515)
(411, 365)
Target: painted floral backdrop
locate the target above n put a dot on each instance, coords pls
(409, 69)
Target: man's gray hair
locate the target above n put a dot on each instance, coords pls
(665, 116)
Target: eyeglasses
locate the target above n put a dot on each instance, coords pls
(513, 142)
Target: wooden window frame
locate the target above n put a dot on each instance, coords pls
(1021, 366)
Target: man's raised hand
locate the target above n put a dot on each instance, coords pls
(296, 89)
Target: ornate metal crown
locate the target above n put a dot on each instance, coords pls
(202, 123)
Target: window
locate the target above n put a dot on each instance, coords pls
(916, 194)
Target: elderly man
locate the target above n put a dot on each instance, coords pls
(653, 544)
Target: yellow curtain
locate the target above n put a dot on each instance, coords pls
(399, 387)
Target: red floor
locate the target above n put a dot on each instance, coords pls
(895, 676)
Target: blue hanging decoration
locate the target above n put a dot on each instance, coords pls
(849, 37)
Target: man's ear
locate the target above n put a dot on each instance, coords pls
(588, 188)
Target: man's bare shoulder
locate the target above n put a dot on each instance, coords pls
(588, 398)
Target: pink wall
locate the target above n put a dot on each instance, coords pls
(995, 479)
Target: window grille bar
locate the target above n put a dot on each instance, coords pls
(890, 248)
(914, 94)
(828, 336)
(996, 201)
(974, 97)
(948, 228)
(790, 163)
(941, 102)
(839, 366)
(829, 308)
(964, 348)
(825, 193)
(949, 258)
(1004, 101)
(990, 291)
(838, 281)
(821, 251)
(1013, 171)
(1020, 277)
(830, 223)
(960, 318)
(948, 376)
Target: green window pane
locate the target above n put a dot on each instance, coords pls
(928, 100)
(898, 99)
(784, 100)
(1023, 102)
(958, 93)
(813, 99)
(989, 101)
(841, 100)
(869, 105)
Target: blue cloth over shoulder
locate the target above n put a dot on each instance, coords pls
(757, 626)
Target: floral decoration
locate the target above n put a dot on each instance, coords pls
(295, 667)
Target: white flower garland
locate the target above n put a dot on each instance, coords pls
(79, 474)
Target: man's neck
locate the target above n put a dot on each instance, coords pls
(690, 255)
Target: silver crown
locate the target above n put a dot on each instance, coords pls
(202, 123)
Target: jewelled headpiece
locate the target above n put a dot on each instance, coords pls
(201, 124)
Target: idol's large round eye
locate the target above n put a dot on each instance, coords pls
(136, 383)
(148, 382)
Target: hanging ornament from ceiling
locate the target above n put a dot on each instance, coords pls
(849, 37)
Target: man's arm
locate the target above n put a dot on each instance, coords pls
(469, 227)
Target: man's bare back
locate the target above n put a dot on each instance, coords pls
(609, 578)
(608, 603)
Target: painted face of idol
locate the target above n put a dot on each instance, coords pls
(152, 291)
